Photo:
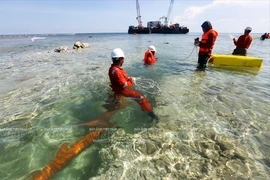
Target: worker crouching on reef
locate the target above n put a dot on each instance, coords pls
(121, 84)
(206, 44)
(149, 56)
(243, 42)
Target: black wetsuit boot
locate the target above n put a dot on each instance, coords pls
(153, 116)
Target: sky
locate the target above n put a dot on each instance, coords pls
(98, 16)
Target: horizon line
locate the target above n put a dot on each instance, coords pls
(78, 33)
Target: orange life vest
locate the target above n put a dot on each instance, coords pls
(205, 46)
(119, 79)
(149, 58)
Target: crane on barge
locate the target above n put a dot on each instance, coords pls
(138, 14)
(140, 29)
(169, 14)
(156, 26)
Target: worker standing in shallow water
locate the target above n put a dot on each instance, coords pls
(149, 56)
(206, 44)
(243, 43)
(121, 84)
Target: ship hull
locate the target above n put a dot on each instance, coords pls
(133, 30)
(139, 31)
(170, 31)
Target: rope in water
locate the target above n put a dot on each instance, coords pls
(147, 85)
(191, 53)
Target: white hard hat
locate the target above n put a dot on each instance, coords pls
(117, 53)
(152, 48)
(249, 28)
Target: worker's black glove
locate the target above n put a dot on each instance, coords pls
(196, 41)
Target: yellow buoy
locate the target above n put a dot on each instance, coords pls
(232, 60)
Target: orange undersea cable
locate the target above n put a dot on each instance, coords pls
(65, 154)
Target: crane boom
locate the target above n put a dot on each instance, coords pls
(138, 14)
(169, 13)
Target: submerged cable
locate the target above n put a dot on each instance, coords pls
(68, 151)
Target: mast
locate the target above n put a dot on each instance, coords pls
(138, 14)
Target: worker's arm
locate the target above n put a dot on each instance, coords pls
(249, 40)
(122, 79)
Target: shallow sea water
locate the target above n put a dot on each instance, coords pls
(214, 124)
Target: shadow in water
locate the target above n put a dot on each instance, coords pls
(236, 70)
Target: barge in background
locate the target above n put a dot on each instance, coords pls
(173, 29)
(156, 26)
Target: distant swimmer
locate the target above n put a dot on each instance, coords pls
(243, 42)
(149, 56)
(122, 85)
(206, 44)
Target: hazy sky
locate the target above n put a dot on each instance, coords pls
(89, 16)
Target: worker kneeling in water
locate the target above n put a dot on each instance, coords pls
(121, 84)
(149, 56)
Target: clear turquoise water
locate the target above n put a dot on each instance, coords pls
(42, 94)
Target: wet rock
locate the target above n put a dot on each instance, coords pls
(116, 174)
(211, 154)
(146, 174)
(141, 146)
(196, 167)
(180, 166)
(237, 166)
(221, 110)
(224, 145)
(166, 157)
(240, 154)
(115, 152)
(168, 169)
(61, 49)
(182, 149)
(255, 126)
(79, 45)
(223, 98)
(151, 148)
(106, 156)
(266, 162)
(146, 147)
(228, 153)
(161, 166)
(117, 165)
(119, 133)
(85, 45)
(210, 134)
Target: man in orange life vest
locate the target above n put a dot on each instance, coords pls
(265, 36)
(149, 56)
(243, 43)
(121, 84)
(206, 44)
